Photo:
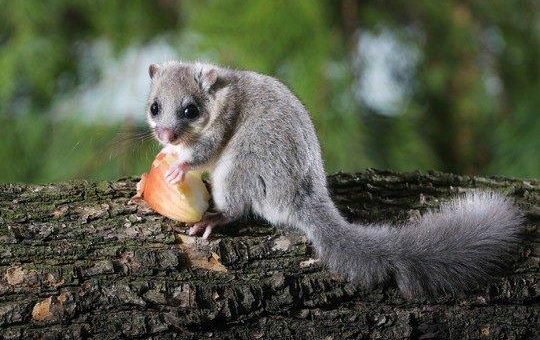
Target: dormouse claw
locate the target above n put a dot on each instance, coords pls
(207, 224)
(176, 172)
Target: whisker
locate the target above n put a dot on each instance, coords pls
(129, 141)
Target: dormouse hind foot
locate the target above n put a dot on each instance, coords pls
(208, 222)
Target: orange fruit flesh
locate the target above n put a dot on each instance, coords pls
(185, 201)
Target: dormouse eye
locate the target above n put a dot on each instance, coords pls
(190, 112)
(154, 109)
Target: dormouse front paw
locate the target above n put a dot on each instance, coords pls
(177, 172)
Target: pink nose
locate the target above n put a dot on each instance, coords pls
(166, 134)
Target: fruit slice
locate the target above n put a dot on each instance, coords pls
(185, 201)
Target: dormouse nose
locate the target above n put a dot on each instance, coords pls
(166, 134)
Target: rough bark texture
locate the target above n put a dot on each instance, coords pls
(77, 261)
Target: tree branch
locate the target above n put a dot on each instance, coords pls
(76, 260)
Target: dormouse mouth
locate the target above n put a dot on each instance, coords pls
(174, 136)
(166, 135)
(175, 141)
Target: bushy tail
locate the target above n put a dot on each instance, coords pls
(452, 249)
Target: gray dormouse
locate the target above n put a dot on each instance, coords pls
(259, 144)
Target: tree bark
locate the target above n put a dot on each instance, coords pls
(78, 261)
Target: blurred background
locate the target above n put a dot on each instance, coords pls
(447, 85)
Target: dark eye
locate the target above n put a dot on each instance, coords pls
(190, 112)
(154, 109)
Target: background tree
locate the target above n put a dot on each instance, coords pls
(469, 93)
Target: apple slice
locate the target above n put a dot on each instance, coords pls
(185, 201)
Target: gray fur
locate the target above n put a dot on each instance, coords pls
(258, 140)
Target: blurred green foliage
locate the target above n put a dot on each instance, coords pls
(35, 148)
(451, 121)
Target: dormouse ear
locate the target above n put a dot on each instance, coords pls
(208, 78)
(152, 70)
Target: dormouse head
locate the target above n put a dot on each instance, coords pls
(184, 99)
